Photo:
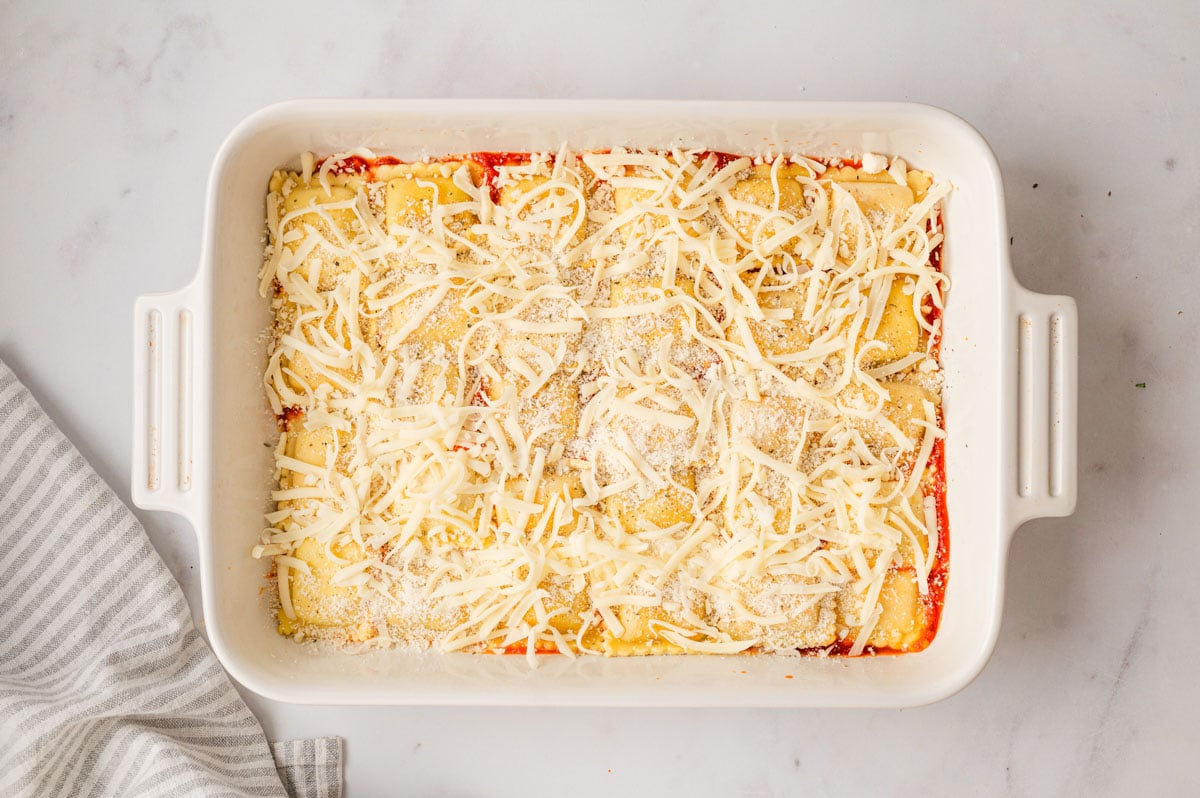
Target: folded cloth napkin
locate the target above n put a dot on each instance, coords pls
(106, 688)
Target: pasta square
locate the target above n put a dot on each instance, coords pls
(415, 193)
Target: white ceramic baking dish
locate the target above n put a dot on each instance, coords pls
(200, 420)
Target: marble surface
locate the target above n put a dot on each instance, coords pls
(110, 115)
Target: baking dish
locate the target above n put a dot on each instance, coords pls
(200, 421)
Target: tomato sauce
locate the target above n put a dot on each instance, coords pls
(491, 163)
(723, 158)
(356, 164)
(939, 573)
(932, 312)
(289, 414)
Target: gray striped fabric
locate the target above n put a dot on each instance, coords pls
(106, 688)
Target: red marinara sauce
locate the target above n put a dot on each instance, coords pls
(288, 415)
(491, 163)
(723, 158)
(356, 164)
(939, 573)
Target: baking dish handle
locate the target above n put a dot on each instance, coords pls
(1047, 332)
(164, 391)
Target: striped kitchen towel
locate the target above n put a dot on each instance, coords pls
(106, 687)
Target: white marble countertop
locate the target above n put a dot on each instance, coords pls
(110, 116)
